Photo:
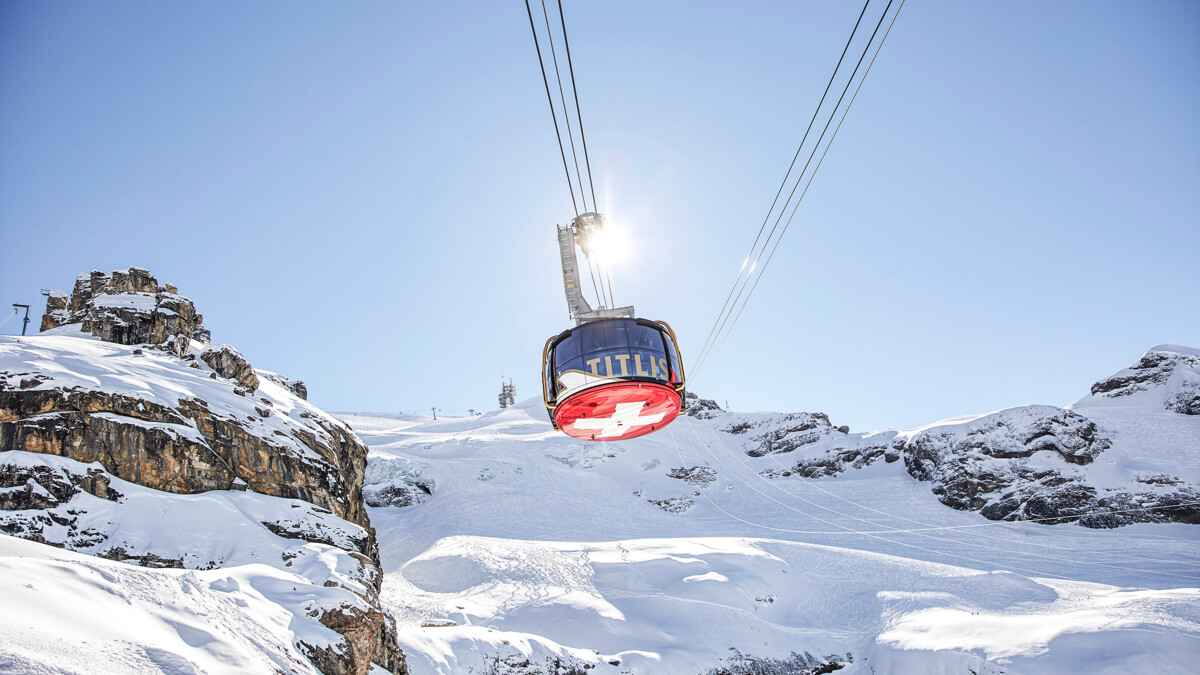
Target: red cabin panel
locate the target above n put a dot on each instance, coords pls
(619, 411)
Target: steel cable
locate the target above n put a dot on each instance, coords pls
(578, 115)
(546, 82)
(562, 98)
(713, 353)
(772, 255)
(782, 184)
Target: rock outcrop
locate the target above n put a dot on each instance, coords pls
(1154, 372)
(230, 364)
(153, 404)
(1026, 463)
(795, 430)
(700, 408)
(186, 432)
(128, 307)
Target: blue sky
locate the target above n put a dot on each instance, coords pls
(363, 195)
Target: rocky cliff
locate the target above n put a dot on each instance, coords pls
(176, 423)
(123, 384)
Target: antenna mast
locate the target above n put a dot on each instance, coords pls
(508, 393)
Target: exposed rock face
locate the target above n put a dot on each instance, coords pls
(796, 430)
(962, 464)
(194, 446)
(183, 419)
(1026, 463)
(1154, 370)
(56, 313)
(675, 505)
(700, 408)
(229, 363)
(700, 476)
(129, 307)
(1012, 465)
(370, 637)
(42, 488)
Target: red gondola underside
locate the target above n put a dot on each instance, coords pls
(617, 411)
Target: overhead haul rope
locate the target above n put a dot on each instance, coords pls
(599, 298)
(877, 534)
(782, 184)
(553, 115)
(806, 186)
(9, 317)
(601, 274)
(563, 100)
(917, 531)
(711, 355)
(575, 91)
(606, 276)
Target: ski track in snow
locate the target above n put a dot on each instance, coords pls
(539, 546)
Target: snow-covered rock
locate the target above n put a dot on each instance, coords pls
(98, 438)
(231, 365)
(174, 423)
(1169, 374)
(297, 387)
(129, 307)
(1041, 462)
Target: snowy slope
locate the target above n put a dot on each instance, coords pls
(66, 612)
(264, 570)
(690, 551)
(135, 454)
(727, 543)
(1144, 409)
(686, 605)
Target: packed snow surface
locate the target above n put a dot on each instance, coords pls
(537, 550)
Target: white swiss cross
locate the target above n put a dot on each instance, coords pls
(624, 418)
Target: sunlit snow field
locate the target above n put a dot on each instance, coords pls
(537, 546)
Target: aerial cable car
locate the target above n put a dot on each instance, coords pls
(613, 376)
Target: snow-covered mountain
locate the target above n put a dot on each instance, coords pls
(1128, 451)
(169, 508)
(777, 543)
(170, 452)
